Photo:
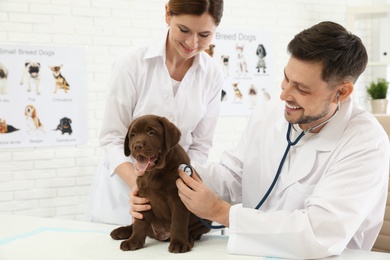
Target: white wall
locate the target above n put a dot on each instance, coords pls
(54, 181)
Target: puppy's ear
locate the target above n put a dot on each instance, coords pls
(172, 133)
(126, 144)
(34, 113)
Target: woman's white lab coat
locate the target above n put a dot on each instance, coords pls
(331, 193)
(140, 84)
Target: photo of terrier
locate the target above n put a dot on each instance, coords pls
(242, 68)
(237, 93)
(34, 125)
(31, 74)
(4, 128)
(261, 53)
(60, 81)
(3, 79)
(210, 50)
(225, 64)
(65, 126)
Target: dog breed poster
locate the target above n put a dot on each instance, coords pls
(247, 60)
(42, 96)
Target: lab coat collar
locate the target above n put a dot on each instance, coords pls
(327, 138)
(158, 49)
(324, 141)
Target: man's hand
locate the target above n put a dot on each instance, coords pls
(200, 200)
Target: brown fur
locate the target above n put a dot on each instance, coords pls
(156, 138)
(3, 126)
(31, 111)
(210, 50)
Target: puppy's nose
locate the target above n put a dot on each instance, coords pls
(138, 146)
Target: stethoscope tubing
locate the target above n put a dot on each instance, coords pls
(289, 144)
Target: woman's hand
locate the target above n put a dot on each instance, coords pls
(137, 204)
(200, 200)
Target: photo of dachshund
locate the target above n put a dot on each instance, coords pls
(34, 125)
(3, 79)
(153, 141)
(4, 128)
(60, 81)
(65, 126)
(31, 74)
(261, 53)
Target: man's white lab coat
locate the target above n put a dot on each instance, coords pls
(331, 193)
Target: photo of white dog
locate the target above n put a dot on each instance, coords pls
(31, 75)
(3, 79)
(242, 68)
(34, 125)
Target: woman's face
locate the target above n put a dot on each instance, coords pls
(189, 34)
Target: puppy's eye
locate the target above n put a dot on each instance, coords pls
(152, 133)
(132, 135)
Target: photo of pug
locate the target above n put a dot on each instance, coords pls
(31, 74)
(3, 79)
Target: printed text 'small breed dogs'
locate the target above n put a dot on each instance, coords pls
(154, 142)
(32, 75)
(61, 82)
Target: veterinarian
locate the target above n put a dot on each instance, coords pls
(333, 159)
(173, 77)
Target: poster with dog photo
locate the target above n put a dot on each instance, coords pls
(42, 96)
(247, 61)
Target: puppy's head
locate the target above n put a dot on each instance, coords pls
(225, 59)
(65, 122)
(33, 68)
(3, 72)
(30, 111)
(56, 69)
(149, 139)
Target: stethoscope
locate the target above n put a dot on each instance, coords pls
(289, 144)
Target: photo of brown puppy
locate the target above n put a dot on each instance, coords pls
(4, 128)
(31, 74)
(3, 79)
(210, 50)
(154, 142)
(33, 122)
(60, 81)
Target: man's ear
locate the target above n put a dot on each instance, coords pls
(345, 91)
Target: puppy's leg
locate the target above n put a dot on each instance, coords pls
(180, 242)
(122, 232)
(140, 229)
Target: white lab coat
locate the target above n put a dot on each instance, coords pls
(140, 84)
(331, 193)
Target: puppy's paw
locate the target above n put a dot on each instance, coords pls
(122, 233)
(129, 245)
(179, 247)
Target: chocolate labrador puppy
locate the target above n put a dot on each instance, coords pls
(154, 142)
